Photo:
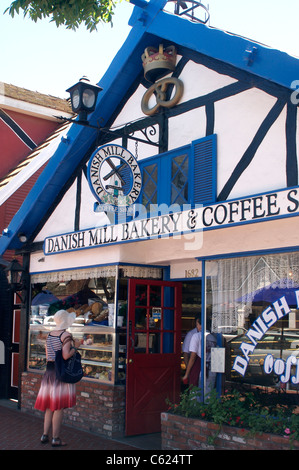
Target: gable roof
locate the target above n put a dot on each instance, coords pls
(150, 25)
(20, 99)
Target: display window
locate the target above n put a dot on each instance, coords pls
(98, 296)
(253, 304)
(91, 300)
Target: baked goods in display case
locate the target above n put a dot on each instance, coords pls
(37, 353)
(90, 305)
(94, 313)
(98, 352)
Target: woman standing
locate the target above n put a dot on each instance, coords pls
(54, 395)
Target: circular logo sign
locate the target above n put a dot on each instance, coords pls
(114, 176)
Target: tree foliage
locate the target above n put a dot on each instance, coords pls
(70, 13)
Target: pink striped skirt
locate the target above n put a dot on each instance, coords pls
(53, 394)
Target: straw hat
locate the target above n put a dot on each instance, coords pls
(64, 319)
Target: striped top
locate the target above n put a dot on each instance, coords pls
(53, 344)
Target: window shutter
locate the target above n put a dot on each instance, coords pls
(204, 173)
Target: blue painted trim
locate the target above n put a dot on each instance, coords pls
(166, 273)
(213, 177)
(270, 64)
(203, 330)
(139, 3)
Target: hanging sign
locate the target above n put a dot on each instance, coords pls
(114, 178)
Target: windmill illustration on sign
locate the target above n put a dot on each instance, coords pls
(115, 176)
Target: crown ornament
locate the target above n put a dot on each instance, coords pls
(158, 62)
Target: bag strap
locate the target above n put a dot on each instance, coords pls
(67, 339)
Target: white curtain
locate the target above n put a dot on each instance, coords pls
(236, 281)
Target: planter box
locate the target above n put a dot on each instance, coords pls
(183, 433)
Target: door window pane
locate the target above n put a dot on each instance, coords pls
(140, 346)
(141, 318)
(155, 296)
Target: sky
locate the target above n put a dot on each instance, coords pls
(41, 57)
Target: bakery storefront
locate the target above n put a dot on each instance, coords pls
(178, 198)
(131, 319)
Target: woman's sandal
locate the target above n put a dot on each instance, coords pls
(44, 439)
(57, 442)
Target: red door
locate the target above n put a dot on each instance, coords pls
(153, 352)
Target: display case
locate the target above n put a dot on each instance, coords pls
(102, 357)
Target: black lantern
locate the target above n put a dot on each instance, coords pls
(84, 97)
(14, 273)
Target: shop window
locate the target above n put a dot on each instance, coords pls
(150, 184)
(254, 305)
(181, 176)
(179, 179)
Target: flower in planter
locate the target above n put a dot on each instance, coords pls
(249, 411)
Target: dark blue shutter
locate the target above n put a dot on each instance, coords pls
(204, 170)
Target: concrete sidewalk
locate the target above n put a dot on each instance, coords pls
(21, 431)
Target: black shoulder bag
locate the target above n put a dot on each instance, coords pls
(68, 370)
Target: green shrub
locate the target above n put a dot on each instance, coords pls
(254, 411)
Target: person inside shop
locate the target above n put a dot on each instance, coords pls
(188, 355)
(54, 395)
(194, 376)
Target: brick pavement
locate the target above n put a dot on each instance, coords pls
(21, 431)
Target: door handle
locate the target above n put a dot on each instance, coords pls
(130, 361)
